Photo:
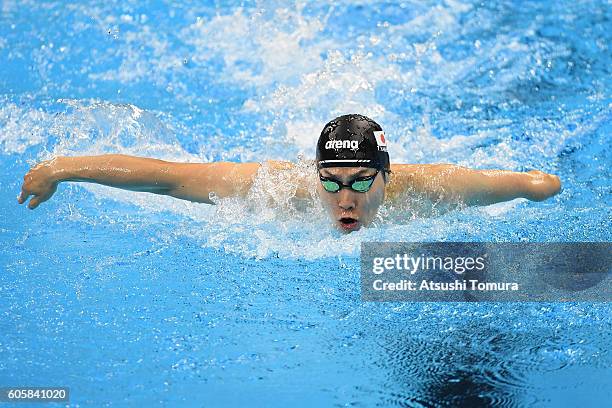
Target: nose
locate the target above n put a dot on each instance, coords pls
(346, 199)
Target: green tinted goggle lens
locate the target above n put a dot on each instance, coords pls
(359, 185)
(330, 186)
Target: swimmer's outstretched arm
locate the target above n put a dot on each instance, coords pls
(472, 187)
(187, 181)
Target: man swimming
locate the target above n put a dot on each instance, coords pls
(354, 172)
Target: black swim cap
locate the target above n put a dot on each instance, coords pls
(352, 141)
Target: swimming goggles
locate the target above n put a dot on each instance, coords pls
(360, 184)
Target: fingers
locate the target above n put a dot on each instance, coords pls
(23, 197)
(34, 202)
(25, 187)
(26, 191)
(543, 185)
(39, 184)
(556, 184)
(24, 194)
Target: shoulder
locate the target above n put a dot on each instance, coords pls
(419, 169)
(411, 177)
(295, 177)
(287, 165)
(419, 173)
(277, 165)
(402, 174)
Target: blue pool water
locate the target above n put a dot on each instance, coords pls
(131, 299)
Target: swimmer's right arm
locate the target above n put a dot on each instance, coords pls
(187, 181)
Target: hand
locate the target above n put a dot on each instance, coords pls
(542, 185)
(40, 182)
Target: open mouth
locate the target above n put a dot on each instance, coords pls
(349, 223)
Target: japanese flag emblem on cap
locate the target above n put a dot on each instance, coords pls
(380, 138)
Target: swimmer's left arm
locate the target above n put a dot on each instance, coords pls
(452, 183)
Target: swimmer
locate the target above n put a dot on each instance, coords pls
(354, 176)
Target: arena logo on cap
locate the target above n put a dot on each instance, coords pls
(342, 144)
(380, 140)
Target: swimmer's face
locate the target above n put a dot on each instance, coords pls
(351, 210)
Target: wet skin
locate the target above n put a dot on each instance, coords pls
(350, 210)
